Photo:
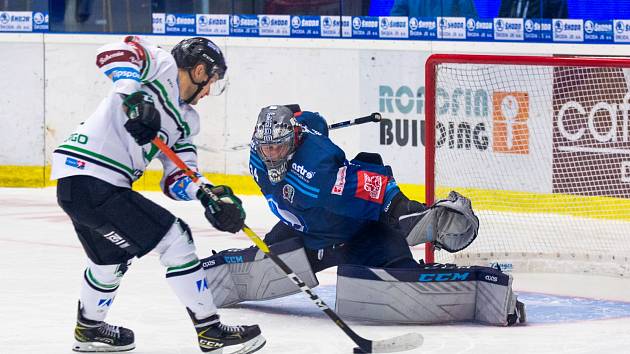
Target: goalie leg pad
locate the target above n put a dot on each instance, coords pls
(434, 294)
(238, 275)
(450, 224)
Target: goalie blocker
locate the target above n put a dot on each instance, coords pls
(433, 294)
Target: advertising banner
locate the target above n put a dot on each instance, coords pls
(451, 27)
(537, 30)
(365, 27)
(244, 25)
(392, 27)
(213, 25)
(568, 30)
(306, 26)
(622, 31)
(40, 22)
(422, 28)
(598, 31)
(479, 29)
(591, 140)
(180, 24)
(490, 122)
(336, 26)
(159, 23)
(509, 29)
(274, 25)
(16, 21)
(392, 83)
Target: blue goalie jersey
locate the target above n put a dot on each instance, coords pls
(323, 195)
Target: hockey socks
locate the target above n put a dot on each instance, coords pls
(99, 287)
(189, 283)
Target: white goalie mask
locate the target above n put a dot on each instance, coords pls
(275, 139)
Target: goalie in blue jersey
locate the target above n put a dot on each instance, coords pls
(331, 210)
(344, 211)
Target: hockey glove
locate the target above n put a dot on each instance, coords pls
(144, 120)
(223, 209)
(450, 224)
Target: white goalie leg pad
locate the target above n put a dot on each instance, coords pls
(425, 296)
(450, 224)
(99, 288)
(183, 270)
(238, 275)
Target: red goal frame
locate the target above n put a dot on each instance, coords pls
(430, 93)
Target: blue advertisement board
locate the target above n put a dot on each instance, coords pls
(498, 29)
(244, 25)
(180, 24)
(306, 26)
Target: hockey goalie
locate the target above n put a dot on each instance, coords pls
(352, 214)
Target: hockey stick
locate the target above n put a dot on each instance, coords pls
(374, 117)
(396, 344)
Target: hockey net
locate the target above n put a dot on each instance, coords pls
(541, 146)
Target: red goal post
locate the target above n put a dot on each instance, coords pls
(535, 141)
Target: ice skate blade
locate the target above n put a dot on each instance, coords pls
(250, 346)
(98, 347)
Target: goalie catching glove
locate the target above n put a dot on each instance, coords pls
(144, 119)
(449, 224)
(224, 210)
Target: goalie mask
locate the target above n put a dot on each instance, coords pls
(276, 137)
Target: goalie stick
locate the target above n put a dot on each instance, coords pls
(374, 117)
(395, 344)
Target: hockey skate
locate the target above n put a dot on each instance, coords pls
(519, 316)
(216, 338)
(98, 336)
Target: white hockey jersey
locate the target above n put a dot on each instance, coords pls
(101, 146)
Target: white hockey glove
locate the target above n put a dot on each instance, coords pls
(450, 224)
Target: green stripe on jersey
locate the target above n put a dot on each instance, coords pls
(178, 116)
(146, 70)
(177, 146)
(99, 157)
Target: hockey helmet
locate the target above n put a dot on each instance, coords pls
(276, 137)
(197, 50)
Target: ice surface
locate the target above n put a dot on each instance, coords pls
(41, 264)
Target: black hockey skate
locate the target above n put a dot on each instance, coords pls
(216, 338)
(98, 336)
(519, 316)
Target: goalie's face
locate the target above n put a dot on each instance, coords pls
(274, 152)
(275, 140)
(275, 155)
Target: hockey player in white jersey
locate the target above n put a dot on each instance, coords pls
(153, 95)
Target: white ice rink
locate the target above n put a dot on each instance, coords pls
(41, 264)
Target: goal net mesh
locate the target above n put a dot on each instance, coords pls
(543, 152)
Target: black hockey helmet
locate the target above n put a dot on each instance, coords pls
(198, 50)
(276, 137)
